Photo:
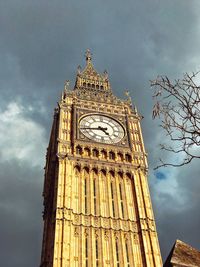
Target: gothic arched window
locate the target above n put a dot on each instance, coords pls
(120, 156)
(95, 153)
(86, 187)
(121, 199)
(87, 152)
(86, 251)
(128, 175)
(78, 150)
(111, 155)
(97, 252)
(112, 197)
(104, 154)
(77, 170)
(128, 158)
(127, 253)
(117, 251)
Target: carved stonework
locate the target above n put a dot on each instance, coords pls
(87, 220)
(76, 232)
(135, 238)
(95, 191)
(96, 222)
(106, 235)
(86, 232)
(96, 233)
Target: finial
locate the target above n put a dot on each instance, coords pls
(79, 69)
(67, 84)
(88, 55)
(105, 74)
(127, 93)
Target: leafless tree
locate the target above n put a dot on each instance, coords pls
(177, 105)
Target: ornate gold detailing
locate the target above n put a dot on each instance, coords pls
(116, 235)
(76, 231)
(86, 232)
(106, 235)
(135, 238)
(88, 55)
(96, 233)
(61, 155)
(66, 85)
(89, 78)
(104, 97)
(117, 224)
(76, 219)
(127, 94)
(79, 69)
(87, 221)
(96, 222)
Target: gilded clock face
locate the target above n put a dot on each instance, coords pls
(100, 128)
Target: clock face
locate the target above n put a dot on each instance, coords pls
(100, 128)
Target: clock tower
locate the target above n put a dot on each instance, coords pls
(97, 207)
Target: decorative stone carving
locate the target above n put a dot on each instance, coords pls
(106, 235)
(96, 222)
(87, 220)
(76, 219)
(86, 232)
(106, 223)
(76, 232)
(125, 225)
(135, 238)
(116, 235)
(96, 233)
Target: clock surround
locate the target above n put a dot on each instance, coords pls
(101, 128)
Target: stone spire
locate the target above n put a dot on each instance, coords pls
(88, 56)
(89, 78)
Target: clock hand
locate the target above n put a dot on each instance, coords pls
(94, 128)
(104, 130)
(106, 133)
(89, 128)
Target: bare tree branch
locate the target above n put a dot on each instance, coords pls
(177, 105)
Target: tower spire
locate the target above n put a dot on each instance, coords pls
(88, 56)
(89, 78)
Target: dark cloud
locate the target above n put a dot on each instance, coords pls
(177, 207)
(41, 45)
(21, 211)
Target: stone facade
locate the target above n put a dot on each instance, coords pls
(97, 207)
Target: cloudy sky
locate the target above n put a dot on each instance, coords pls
(41, 45)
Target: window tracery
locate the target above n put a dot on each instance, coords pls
(104, 154)
(127, 252)
(117, 251)
(111, 155)
(95, 153)
(128, 158)
(120, 156)
(79, 150)
(87, 152)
